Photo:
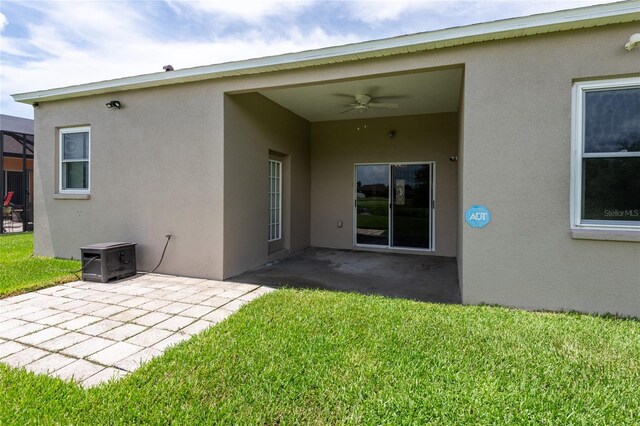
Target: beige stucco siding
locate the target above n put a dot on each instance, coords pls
(186, 160)
(337, 145)
(254, 126)
(156, 169)
(517, 147)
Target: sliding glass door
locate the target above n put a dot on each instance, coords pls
(372, 204)
(394, 205)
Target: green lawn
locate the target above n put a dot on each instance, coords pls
(20, 271)
(313, 357)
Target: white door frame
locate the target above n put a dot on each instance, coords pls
(432, 206)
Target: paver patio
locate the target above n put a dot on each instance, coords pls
(92, 332)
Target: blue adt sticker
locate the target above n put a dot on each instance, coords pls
(478, 216)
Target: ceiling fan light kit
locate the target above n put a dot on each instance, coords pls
(362, 103)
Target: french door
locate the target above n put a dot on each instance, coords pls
(394, 205)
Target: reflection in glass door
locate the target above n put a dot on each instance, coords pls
(372, 204)
(394, 205)
(411, 208)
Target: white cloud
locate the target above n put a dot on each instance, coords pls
(101, 41)
(3, 21)
(248, 10)
(377, 12)
(79, 42)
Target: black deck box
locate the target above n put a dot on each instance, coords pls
(108, 261)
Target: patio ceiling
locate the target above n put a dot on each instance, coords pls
(415, 93)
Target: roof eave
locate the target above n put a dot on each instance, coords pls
(509, 28)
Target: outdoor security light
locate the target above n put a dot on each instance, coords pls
(114, 104)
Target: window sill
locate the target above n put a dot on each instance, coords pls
(606, 234)
(71, 196)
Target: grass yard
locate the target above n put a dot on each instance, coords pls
(314, 357)
(20, 271)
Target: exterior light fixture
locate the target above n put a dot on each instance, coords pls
(634, 41)
(114, 104)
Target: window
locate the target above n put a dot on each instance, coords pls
(275, 200)
(74, 160)
(606, 155)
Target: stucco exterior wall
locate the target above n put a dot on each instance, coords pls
(337, 145)
(517, 150)
(156, 169)
(254, 126)
(514, 157)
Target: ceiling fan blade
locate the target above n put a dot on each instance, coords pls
(382, 105)
(390, 98)
(345, 111)
(342, 95)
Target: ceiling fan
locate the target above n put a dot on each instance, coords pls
(362, 103)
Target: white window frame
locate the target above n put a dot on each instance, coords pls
(63, 131)
(277, 225)
(578, 154)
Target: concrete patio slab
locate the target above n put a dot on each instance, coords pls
(93, 332)
(411, 276)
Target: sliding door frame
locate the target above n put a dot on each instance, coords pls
(432, 206)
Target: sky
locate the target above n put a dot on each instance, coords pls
(46, 44)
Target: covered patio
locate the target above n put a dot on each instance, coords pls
(411, 276)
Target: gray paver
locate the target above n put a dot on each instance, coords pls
(119, 325)
(49, 363)
(89, 308)
(21, 330)
(42, 313)
(24, 357)
(234, 305)
(58, 318)
(135, 302)
(216, 301)
(129, 314)
(152, 318)
(88, 347)
(197, 327)
(9, 347)
(154, 305)
(172, 340)
(42, 335)
(149, 337)
(175, 323)
(115, 353)
(195, 298)
(197, 311)
(23, 311)
(103, 376)
(100, 327)
(70, 305)
(78, 323)
(217, 316)
(10, 323)
(64, 341)
(124, 331)
(109, 311)
(175, 308)
(134, 361)
(78, 370)
(233, 293)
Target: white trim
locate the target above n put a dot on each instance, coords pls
(279, 207)
(563, 20)
(577, 154)
(63, 131)
(432, 199)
